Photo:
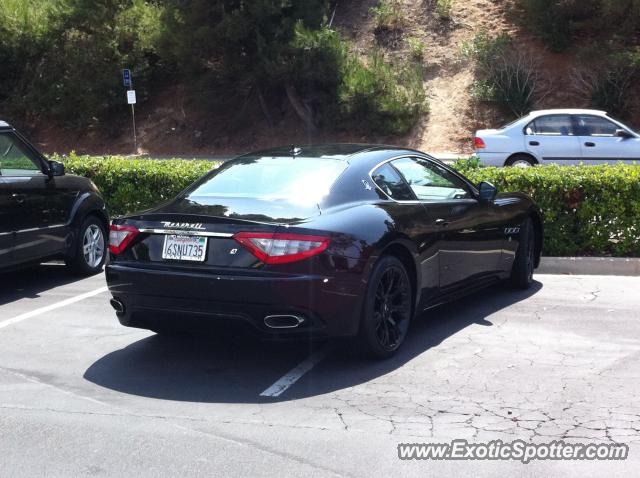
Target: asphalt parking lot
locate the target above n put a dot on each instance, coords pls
(81, 395)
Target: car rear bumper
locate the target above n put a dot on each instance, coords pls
(492, 159)
(328, 306)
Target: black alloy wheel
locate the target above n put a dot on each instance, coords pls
(387, 310)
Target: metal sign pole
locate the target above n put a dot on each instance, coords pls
(127, 78)
(135, 139)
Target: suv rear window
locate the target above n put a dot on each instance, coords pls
(291, 179)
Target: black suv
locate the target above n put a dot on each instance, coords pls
(45, 214)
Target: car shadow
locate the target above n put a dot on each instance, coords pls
(237, 369)
(29, 283)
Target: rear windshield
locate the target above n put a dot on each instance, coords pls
(298, 180)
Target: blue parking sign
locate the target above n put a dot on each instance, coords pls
(126, 78)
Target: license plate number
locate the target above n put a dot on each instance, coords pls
(184, 248)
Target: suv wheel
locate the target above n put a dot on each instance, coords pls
(90, 249)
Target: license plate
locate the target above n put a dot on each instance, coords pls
(184, 248)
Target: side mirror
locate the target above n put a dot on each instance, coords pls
(488, 192)
(56, 168)
(623, 133)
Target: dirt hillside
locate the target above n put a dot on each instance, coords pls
(170, 125)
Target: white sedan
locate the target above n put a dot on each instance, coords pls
(567, 136)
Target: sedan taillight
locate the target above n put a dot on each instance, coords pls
(479, 143)
(275, 248)
(120, 237)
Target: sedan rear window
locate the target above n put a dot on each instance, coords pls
(552, 125)
(298, 180)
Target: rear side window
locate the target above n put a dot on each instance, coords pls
(552, 125)
(390, 181)
(595, 126)
(299, 180)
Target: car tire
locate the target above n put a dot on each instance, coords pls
(524, 262)
(387, 310)
(90, 247)
(520, 161)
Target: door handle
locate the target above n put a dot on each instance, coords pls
(534, 143)
(589, 144)
(441, 222)
(19, 198)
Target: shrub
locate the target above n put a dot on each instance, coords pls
(444, 9)
(347, 91)
(588, 210)
(131, 185)
(560, 22)
(62, 58)
(383, 97)
(505, 74)
(610, 85)
(416, 48)
(388, 15)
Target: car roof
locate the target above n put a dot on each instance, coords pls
(570, 111)
(4, 125)
(340, 151)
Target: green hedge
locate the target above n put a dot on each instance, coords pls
(589, 210)
(130, 185)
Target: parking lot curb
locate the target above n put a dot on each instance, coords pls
(606, 266)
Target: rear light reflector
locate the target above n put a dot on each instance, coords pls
(479, 143)
(276, 248)
(120, 237)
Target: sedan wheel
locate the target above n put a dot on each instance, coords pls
(387, 310)
(522, 164)
(520, 161)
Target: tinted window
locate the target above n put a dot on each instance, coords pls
(552, 125)
(431, 182)
(595, 126)
(300, 180)
(392, 183)
(14, 161)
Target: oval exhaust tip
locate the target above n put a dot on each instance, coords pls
(283, 321)
(117, 306)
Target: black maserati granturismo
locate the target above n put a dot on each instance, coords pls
(331, 241)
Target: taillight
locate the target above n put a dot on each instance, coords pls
(479, 142)
(275, 248)
(120, 237)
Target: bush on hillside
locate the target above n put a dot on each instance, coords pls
(560, 22)
(62, 61)
(388, 15)
(610, 85)
(505, 74)
(381, 97)
(65, 57)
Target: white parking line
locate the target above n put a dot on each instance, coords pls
(57, 305)
(294, 375)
